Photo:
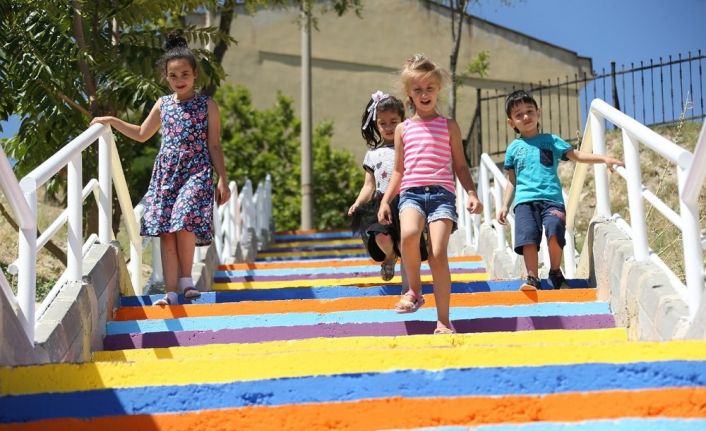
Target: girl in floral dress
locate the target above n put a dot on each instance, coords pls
(179, 201)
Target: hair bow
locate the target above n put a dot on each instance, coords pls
(372, 109)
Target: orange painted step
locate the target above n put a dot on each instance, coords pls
(477, 299)
(394, 413)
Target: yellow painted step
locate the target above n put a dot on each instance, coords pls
(99, 375)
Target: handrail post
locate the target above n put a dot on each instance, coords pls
(498, 195)
(637, 206)
(485, 192)
(75, 225)
(105, 199)
(27, 249)
(691, 248)
(601, 178)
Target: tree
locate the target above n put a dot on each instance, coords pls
(267, 142)
(62, 63)
(458, 14)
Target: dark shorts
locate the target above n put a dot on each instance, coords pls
(531, 217)
(366, 222)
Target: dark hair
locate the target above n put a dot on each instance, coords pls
(369, 129)
(517, 97)
(177, 48)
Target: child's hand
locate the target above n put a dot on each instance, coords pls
(101, 120)
(353, 208)
(613, 163)
(384, 213)
(474, 205)
(222, 192)
(502, 216)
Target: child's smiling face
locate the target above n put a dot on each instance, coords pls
(386, 122)
(424, 91)
(525, 118)
(181, 77)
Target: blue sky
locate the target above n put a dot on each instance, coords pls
(606, 30)
(623, 31)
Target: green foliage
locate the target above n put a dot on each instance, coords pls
(62, 63)
(480, 65)
(257, 142)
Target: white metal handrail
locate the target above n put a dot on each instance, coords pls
(27, 240)
(233, 222)
(690, 175)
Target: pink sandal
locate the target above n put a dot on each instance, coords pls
(409, 302)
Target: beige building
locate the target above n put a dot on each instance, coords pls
(354, 56)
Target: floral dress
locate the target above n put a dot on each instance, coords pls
(180, 194)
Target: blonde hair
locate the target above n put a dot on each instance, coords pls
(419, 66)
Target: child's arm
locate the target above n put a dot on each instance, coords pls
(507, 197)
(366, 192)
(216, 152)
(461, 168)
(139, 133)
(393, 187)
(584, 157)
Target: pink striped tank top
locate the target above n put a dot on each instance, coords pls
(427, 154)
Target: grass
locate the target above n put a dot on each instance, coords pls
(659, 176)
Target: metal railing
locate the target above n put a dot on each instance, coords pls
(690, 174)
(652, 92)
(234, 222)
(25, 209)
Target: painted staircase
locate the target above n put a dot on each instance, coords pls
(305, 339)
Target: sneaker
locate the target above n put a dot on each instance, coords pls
(532, 283)
(556, 278)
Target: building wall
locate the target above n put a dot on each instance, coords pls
(354, 56)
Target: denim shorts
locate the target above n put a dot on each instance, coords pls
(433, 202)
(531, 217)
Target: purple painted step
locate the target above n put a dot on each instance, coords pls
(255, 335)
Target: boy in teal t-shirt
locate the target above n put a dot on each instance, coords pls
(531, 161)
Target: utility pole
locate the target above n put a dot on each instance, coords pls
(306, 177)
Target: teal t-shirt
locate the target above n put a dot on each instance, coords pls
(535, 162)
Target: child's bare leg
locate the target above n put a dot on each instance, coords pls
(170, 268)
(554, 253)
(439, 232)
(170, 260)
(411, 226)
(405, 283)
(384, 242)
(387, 267)
(531, 258)
(186, 245)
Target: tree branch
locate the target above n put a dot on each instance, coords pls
(82, 65)
(220, 49)
(65, 98)
(52, 248)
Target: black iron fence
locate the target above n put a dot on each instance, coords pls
(653, 93)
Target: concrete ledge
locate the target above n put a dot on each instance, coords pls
(14, 345)
(640, 294)
(73, 325)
